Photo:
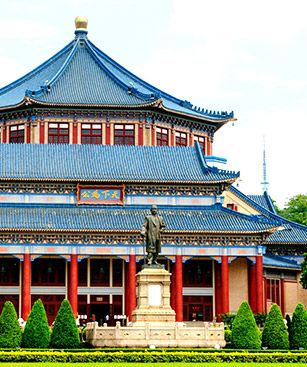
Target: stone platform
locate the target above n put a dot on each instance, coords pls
(153, 321)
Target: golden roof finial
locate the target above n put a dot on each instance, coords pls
(81, 23)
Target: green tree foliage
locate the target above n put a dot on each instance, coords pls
(65, 331)
(295, 209)
(303, 279)
(10, 333)
(37, 332)
(298, 331)
(275, 334)
(245, 334)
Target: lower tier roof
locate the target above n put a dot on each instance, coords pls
(110, 219)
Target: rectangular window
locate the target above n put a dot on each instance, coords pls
(124, 135)
(273, 291)
(17, 134)
(201, 141)
(181, 139)
(91, 134)
(58, 133)
(162, 136)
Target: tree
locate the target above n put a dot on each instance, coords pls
(37, 332)
(245, 334)
(10, 333)
(295, 209)
(303, 279)
(65, 331)
(298, 331)
(275, 334)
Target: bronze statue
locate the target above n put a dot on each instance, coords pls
(151, 231)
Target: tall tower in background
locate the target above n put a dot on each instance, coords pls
(264, 183)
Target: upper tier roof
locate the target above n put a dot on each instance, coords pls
(82, 75)
(105, 163)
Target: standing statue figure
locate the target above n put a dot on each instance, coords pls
(151, 230)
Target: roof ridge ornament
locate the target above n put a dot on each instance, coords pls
(81, 23)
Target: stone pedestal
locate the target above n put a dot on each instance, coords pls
(153, 297)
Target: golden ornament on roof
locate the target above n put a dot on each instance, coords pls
(81, 23)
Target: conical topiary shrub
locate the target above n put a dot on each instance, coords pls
(37, 332)
(298, 331)
(65, 331)
(275, 334)
(245, 334)
(10, 333)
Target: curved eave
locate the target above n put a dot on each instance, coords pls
(281, 267)
(132, 231)
(36, 179)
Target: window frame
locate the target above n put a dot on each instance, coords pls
(92, 137)
(125, 137)
(162, 136)
(181, 138)
(57, 137)
(20, 134)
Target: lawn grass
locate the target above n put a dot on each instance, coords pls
(172, 364)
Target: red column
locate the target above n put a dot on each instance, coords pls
(4, 134)
(26, 287)
(73, 284)
(178, 288)
(191, 140)
(153, 135)
(282, 296)
(217, 290)
(252, 295)
(172, 142)
(141, 138)
(108, 134)
(225, 284)
(75, 133)
(42, 132)
(131, 286)
(28, 133)
(259, 283)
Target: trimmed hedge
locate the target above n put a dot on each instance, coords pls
(245, 334)
(10, 333)
(275, 334)
(36, 333)
(151, 357)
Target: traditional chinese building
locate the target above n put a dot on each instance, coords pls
(86, 148)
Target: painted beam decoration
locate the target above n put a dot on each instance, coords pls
(100, 195)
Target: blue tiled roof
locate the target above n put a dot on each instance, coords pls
(128, 219)
(81, 74)
(272, 261)
(108, 163)
(264, 201)
(293, 233)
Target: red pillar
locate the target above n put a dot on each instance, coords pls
(28, 133)
(259, 283)
(141, 138)
(178, 288)
(282, 296)
(4, 134)
(108, 134)
(225, 284)
(131, 286)
(42, 132)
(217, 290)
(172, 142)
(252, 295)
(153, 135)
(26, 287)
(75, 133)
(73, 283)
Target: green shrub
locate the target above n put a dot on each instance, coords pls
(36, 333)
(298, 330)
(10, 333)
(245, 334)
(65, 331)
(260, 318)
(275, 334)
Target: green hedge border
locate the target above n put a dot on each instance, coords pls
(151, 357)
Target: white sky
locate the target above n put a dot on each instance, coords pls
(245, 56)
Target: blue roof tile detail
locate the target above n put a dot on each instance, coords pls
(273, 261)
(292, 233)
(108, 163)
(264, 201)
(127, 219)
(81, 74)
